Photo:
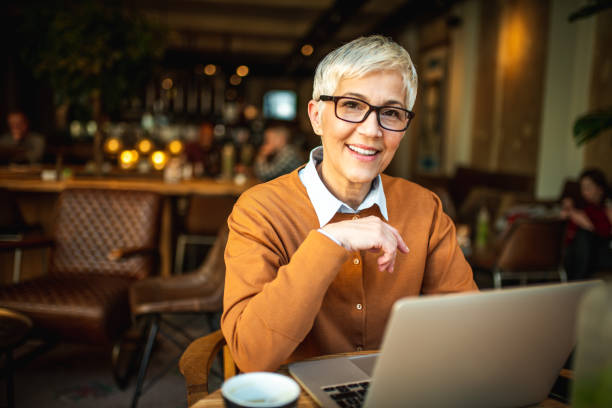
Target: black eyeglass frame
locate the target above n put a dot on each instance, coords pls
(327, 98)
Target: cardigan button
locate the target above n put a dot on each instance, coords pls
(359, 306)
(356, 261)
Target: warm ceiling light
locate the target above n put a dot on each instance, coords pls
(235, 80)
(145, 146)
(307, 50)
(91, 127)
(210, 69)
(167, 83)
(76, 128)
(159, 159)
(250, 112)
(128, 159)
(242, 70)
(175, 147)
(112, 145)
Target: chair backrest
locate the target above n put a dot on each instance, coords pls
(89, 223)
(213, 266)
(533, 244)
(206, 214)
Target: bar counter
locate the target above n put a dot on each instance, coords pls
(204, 186)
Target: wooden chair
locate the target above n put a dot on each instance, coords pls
(197, 360)
(199, 292)
(531, 249)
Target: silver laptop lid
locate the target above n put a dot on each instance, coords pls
(489, 349)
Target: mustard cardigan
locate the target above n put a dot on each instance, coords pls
(292, 293)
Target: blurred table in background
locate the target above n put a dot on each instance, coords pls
(37, 196)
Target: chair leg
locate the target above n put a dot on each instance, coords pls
(144, 362)
(17, 266)
(126, 355)
(10, 396)
(497, 279)
(181, 243)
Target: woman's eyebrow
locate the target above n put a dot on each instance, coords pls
(386, 103)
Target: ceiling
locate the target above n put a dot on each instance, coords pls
(267, 35)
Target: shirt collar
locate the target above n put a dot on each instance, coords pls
(326, 205)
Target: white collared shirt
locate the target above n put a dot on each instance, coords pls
(326, 205)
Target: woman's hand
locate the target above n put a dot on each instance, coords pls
(370, 233)
(567, 206)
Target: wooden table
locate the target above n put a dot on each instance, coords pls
(215, 399)
(30, 182)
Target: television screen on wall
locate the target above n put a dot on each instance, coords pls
(280, 104)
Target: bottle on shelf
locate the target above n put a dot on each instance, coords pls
(482, 227)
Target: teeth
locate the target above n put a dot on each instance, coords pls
(365, 152)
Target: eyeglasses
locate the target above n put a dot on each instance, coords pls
(355, 110)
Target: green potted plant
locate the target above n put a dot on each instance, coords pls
(592, 124)
(95, 55)
(91, 49)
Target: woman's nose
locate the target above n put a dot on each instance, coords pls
(370, 126)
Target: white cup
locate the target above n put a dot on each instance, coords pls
(260, 390)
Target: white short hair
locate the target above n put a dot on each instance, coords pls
(361, 57)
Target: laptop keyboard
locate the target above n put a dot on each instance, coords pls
(348, 395)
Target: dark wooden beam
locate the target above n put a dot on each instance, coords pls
(281, 10)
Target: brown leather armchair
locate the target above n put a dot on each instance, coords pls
(531, 249)
(84, 295)
(197, 292)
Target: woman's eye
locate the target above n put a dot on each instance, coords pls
(351, 105)
(392, 113)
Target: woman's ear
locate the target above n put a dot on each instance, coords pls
(314, 114)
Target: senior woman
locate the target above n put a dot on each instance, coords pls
(316, 258)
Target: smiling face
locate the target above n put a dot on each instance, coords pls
(591, 192)
(356, 153)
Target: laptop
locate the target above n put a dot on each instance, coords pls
(496, 348)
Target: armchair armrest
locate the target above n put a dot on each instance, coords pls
(196, 361)
(119, 254)
(32, 242)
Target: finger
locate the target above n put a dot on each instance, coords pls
(386, 266)
(382, 266)
(387, 259)
(401, 245)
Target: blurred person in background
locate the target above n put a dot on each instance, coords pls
(589, 229)
(20, 145)
(205, 153)
(276, 156)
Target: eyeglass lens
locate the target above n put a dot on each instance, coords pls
(354, 110)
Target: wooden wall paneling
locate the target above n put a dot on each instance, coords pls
(524, 61)
(485, 84)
